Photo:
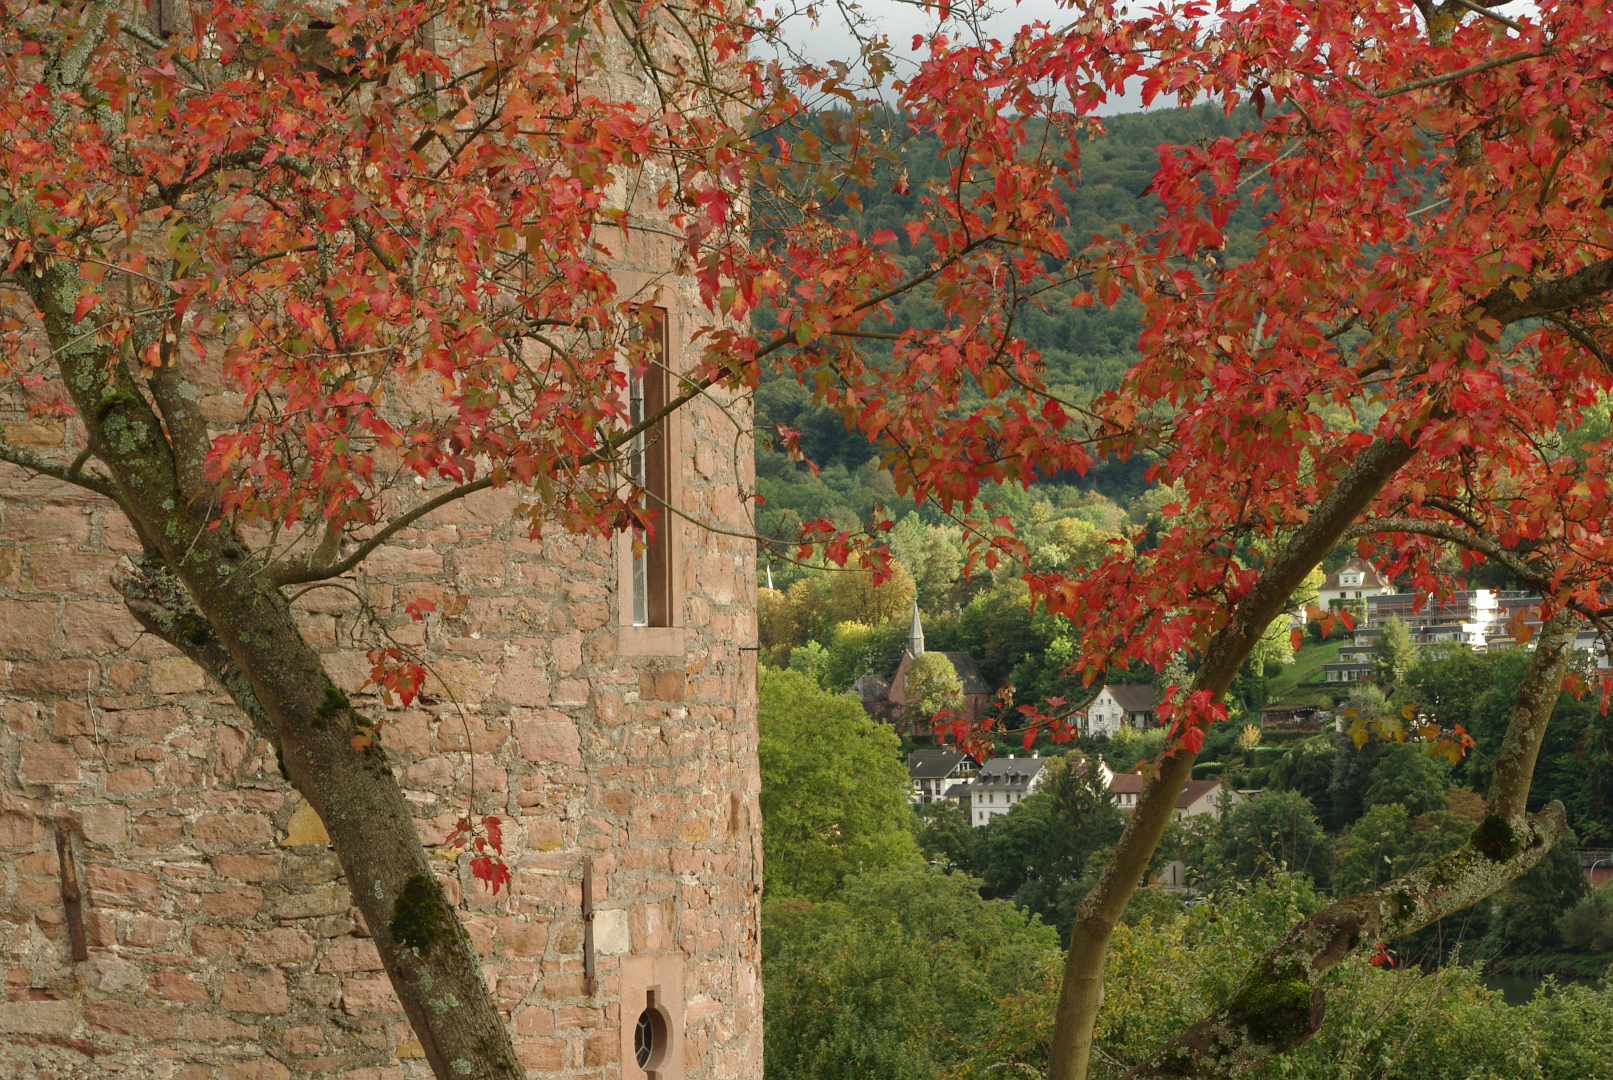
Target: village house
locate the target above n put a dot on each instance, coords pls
(1197, 797)
(939, 774)
(1357, 579)
(1120, 705)
(1002, 784)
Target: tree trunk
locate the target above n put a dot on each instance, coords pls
(1280, 1006)
(201, 591)
(1081, 993)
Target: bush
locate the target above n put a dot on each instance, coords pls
(895, 978)
(1396, 1024)
(1589, 923)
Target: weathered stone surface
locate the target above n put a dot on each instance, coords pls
(305, 828)
(224, 942)
(549, 736)
(263, 993)
(279, 946)
(121, 1018)
(26, 627)
(232, 830)
(36, 1017)
(176, 675)
(47, 763)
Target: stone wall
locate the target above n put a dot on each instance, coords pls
(221, 940)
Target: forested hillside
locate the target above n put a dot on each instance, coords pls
(1086, 349)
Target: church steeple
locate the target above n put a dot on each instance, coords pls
(915, 636)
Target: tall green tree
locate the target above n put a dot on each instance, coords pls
(895, 979)
(1039, 852)
(834, 789)
(1407, 774)
(1393, 654)
(1273, 830)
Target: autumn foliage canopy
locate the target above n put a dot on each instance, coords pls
(383, 236)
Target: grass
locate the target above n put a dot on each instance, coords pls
(1301, 682)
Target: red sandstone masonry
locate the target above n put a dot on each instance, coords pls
(223, 944)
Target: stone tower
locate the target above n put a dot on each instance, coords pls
(218, 940)
(172, 908)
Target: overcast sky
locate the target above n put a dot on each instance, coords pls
(900, 20)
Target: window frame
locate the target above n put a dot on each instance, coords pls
(650, 583)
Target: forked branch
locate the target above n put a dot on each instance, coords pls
(1280, 1004)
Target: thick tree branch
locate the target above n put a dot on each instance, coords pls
(160, 603)
(1537, 697)
(182, 415)
(1280, 1006)
(1549, 297)
(1081, 992)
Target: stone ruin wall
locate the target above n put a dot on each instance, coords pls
(222, 943)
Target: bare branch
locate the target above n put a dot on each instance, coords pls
(73, 474)
(1478, 9)
(1452, 76)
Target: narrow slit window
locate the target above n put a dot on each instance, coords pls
(650, 463)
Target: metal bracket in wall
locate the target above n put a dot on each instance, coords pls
(72, 897)
(590, 969)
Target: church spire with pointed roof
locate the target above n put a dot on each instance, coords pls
(915, 635)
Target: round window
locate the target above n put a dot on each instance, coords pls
(649, 1039)
(644, 1039)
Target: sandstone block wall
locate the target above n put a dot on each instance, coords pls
(222, 943)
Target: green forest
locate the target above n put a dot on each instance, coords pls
(902, 944)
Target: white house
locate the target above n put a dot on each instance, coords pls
(1196, 797)
(1357, 579)
(932, 774)
(1120, 705)
(1002, 784)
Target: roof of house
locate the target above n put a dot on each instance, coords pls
(1009, 772)
(968, 673)
(1126, 783)
(1133, 697)
(1370, 578)
(1193, 791)
(933, 764)
(871, 688)
(1132, 784)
